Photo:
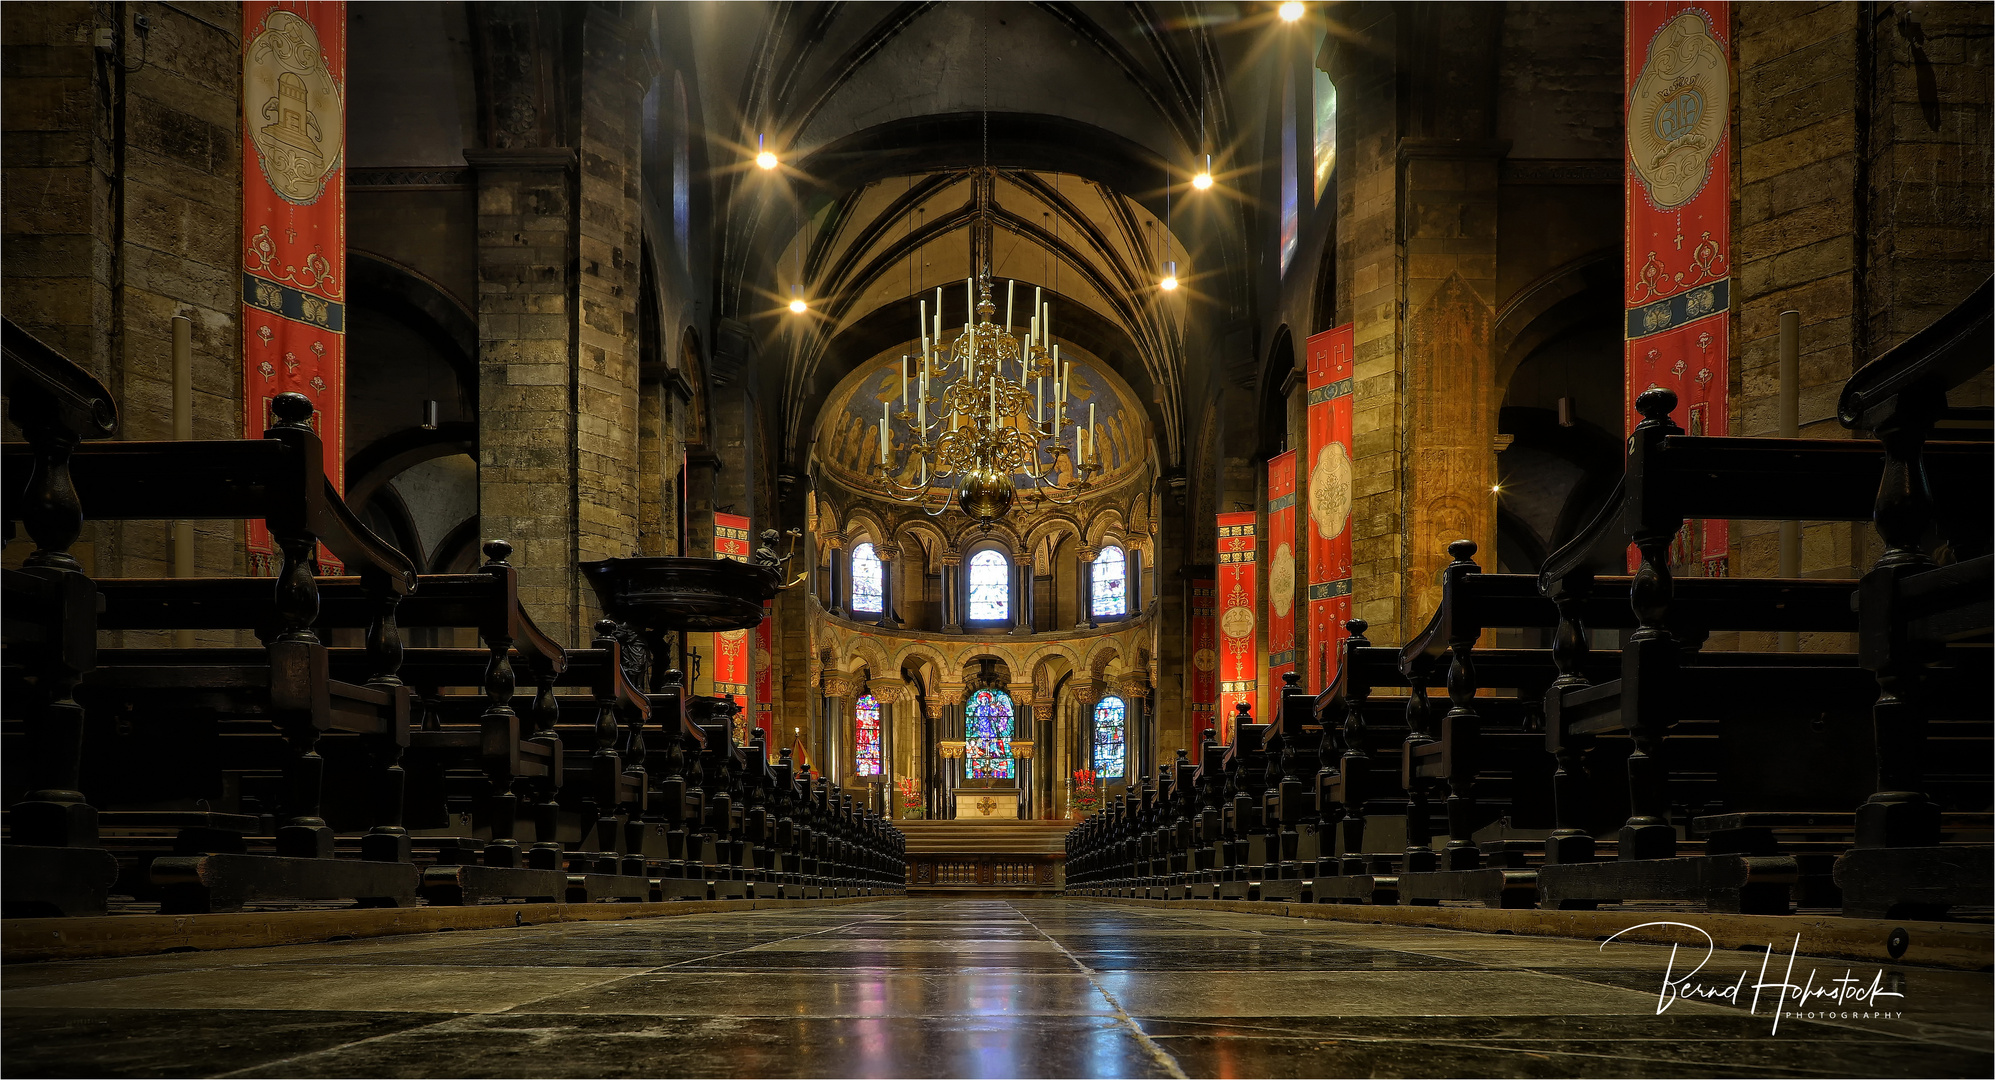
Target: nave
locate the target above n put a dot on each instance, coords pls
(933, 987)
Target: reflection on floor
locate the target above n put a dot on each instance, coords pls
(975, 988)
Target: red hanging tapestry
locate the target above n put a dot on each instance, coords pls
(294, 228)
(1281, 568)
(1678, 237)
(731, 660)
(1330, 486)
(1238, 657)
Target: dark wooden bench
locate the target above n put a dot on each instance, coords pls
(54, 863)
(172, 703)
(1913, 612)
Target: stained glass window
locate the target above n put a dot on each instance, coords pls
(1326, 130)
(990, 588)
(1290, 222)
(1110, 720)
(866, 592)
(987, 734)
(866, 734)
(1110, 580)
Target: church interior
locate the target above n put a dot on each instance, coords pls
(1361, 538)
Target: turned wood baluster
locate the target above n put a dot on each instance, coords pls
(1569, 842)
(499, 721)
(1420, 855)
(294, 653)
(1898, 813)
(1462, 727)
(50, 510)
(388, 840)
(543, 790)
(1354, 767)
(1649, 657)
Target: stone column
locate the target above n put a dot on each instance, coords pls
(840, 690)
(952, 592)
(1084, 609)
(1135, 605)
(834, 544)
(932, 784)
(888, 554)
(1022, 753)
(1021, 607)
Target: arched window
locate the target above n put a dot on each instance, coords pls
(990, 588)
(866, 734)
(867, 595)
(1111, 582)
(987, 734)
(1111, 719)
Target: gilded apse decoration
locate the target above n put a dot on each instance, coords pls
(1678, 110)
(292, 109)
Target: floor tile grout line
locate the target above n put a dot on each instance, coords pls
(1156, 1051)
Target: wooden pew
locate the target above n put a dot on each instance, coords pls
(54, 863)
(1912, 610)
(1664, 679)
(279, 479)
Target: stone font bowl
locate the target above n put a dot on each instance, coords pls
(661, 593)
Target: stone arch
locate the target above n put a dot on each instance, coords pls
(924, 654)
(1105, 651)
(999, 532)
(921, 529)
(863, 521)
(863, 651)
(1106, 527)
(1052, 525)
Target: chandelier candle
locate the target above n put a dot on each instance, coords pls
(997, 425)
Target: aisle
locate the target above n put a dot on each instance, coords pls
(959, 988)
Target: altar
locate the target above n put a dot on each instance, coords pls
(986, 804)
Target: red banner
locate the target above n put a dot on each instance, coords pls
(1678, 234)
(731, 660)
(764, 662)
(1238, 658)
(1330, 487)
(1204, 657)
(1281, 567)
(294, 227)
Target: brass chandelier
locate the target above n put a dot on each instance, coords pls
(980, 413)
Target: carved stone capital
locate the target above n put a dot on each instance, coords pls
(887, 690)
(841, 684)
(951, 557)
(887, 552)
(1021, 749)
(951, 748)
(834, 541)
(949, 694)
(1089, 553)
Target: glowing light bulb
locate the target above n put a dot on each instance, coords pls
(1170, 282)
(1496, 488)
(766, 160)
(1290, 10)
(798, 307)
(1202, 181)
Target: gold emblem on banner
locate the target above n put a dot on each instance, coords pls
(1330, 491)
(292, 109)
(1678, 110)
(1205, 660)
(1238, 622)
(1281, 580)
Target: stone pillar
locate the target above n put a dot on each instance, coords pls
(834, 603)
(841, 689)
(888, 554)
(1135, 605)
(1022, 754)
(1021, 592)
(1084, 608)
(931, 754)
(952, 592)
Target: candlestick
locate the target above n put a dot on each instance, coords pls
(1008, 286)
(970, 300)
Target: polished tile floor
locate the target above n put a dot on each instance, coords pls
(978, 988)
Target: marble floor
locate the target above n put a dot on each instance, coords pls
(923, 987)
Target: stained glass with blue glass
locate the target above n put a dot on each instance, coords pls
(1111, 719)
(990, 586)
(866, 734)
(867, 594)
(987, 735)
(1110, 580)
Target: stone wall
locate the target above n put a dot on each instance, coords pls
(123, 180)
